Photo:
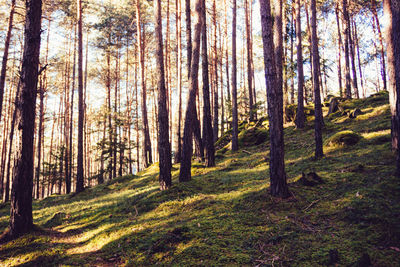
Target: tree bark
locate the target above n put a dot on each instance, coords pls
(317, 94)
(249, 57)
(215, 118)
(235, 123)
(147, 155)
(5, 54)
(187, 148)
(81, 111)
(164, 146)
(382, 48)
(207, 128)
(188, 36)
(392, 14)
(278, 185)
(21, 220)
(300, 117)
(340, 47)
(353, 60)
(346, 49)
(178, 151)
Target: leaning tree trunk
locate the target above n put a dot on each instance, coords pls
(278, 185)
(5, 54)
(300, 117)
(187, 147)
(317, 95)
(81, 112)
(21, 220)
(392, 13)
(208, 134)
(164, 146)
(235, 123)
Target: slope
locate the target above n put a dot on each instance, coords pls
(225, 215)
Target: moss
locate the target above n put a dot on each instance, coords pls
(252, 136)
(344, 138)
(225, 216)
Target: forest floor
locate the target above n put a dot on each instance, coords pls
(225, 215)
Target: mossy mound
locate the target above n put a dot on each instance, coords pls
(56, 220)
(253, 136)
(291, 112)
(223, 140)
(344, 138)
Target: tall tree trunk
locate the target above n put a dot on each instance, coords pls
(292, 32)
(137, 110)
(300, 117)
(21, 220)
(382, 48)
(207, 128)
(346, 49)
(340, 47)
(6, 196)
(40, 133)
(278, 42)
(235, 123)
(353, 60)
(188, 36)
(277, 173)
(187, 148)
(228, 82)
(249, 57)
(317, 94)
(5, 55)
(164, 146)
(147, 154)
(81, 111)
(215, 69)
(71, 122)
(178, 152)
(358, 57)
(392, 14)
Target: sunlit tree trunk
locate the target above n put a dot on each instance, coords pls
(235, 126)
(249, 57)
(178, 142)
(187, 148)
(21, 220)
(340, 47)
(147, 153)
(215, 69)
(278, 185)
(5, 54)
(353, 60)
(81, 112)
(164, 146)
(392, 14)
(346, 49)
(382, 47)
(300, 117)
(207, 128)
(317, 94)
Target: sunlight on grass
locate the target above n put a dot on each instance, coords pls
(225, 216)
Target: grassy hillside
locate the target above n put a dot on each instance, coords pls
(225, 215)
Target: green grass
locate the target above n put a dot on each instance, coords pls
(225, 216)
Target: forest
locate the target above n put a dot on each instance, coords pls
(200, 133)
